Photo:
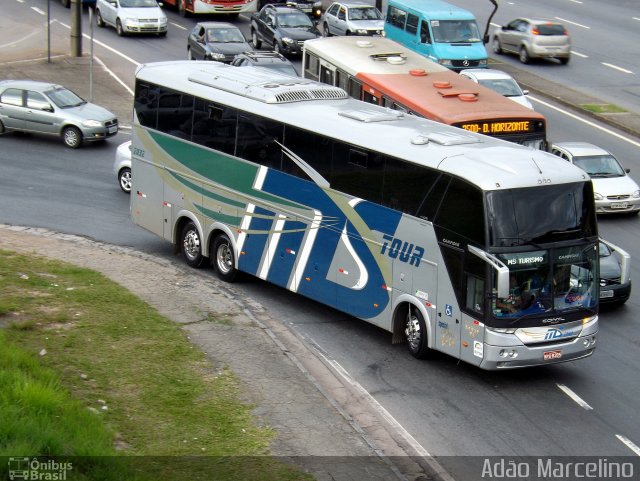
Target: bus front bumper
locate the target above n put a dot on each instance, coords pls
(515, 356)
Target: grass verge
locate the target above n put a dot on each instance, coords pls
(88, 369)
(603, 108)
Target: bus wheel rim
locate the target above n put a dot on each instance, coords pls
(413, 332)
(224, 258)
(192, 244)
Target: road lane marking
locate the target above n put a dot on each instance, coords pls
(576, 1)
(573, 52)
(36, 9)
(616, 67)
(584, 121)
(178, 25)
(630, 444)
(572, 23)
(578, 400)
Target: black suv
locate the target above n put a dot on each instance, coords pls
(313, 8)
(282, 28)
(271, 60)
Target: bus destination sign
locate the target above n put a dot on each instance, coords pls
(499, 127)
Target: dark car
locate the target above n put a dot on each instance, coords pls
(313, 8)
(271, 60)
(220, 41)
(282, 28)
(615, 274)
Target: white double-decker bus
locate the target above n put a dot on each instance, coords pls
(450, 240)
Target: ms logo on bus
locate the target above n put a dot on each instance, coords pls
(402, 250)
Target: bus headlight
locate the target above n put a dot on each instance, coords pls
(502, 330)
(446, 63)
(482, 63)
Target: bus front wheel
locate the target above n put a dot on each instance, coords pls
(224, 259)
(416, 333)
(191, 245)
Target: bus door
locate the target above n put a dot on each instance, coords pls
(449, 317)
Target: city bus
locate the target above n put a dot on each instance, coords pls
(449, 240)
(381, 71)
(229, 7)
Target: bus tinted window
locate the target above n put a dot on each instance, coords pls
(312, 148)
(412, 23)
(396, 17)
(256, 140)
(175, 113)
(462, 211)
(357, 172)
(214, 126)
(146, 104)
(311, 67)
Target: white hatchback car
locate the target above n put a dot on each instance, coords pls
(132, 16)
(500, 81)
(122, 166)
(352, 17)
(614, 191)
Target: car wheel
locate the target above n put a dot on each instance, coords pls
(119, 29)
(99, 19)
(72, 137)
(277, 48)
(2, 128)
(416, 333)
(223, 259)
(564, 60)
(255, 40)
(191, 245)
(162, 34)
(189, 54)
(497, 48)
(524, 55)
(124, 177)
(325, 30)
(66, 3)
(347, 33)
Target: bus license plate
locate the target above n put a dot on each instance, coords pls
(606, 294)
(619, 205)
(547, 356)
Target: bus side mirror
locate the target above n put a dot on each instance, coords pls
(502, 271)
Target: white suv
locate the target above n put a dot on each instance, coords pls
(132, 16)
(352, 18)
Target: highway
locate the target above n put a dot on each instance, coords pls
(588, 407)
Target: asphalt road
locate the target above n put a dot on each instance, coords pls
(449, 408)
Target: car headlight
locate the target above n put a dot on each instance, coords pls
(482, 63)
(317, 4)
(216, 56)
(287, 40)
(362, 31)
(636, 194)
(446, 63)
(131, 21)
(597, 196)
(91, 123)
(163, 21)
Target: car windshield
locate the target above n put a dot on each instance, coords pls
(64, 98)
(599, 165)
(138, 3)
(294, 20)
(284, 69)
(364, 13)
(453, 31)
(224, 35)
(506, 87)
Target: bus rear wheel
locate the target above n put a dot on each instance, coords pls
(416, 333)
(224, 259)
(191, 245)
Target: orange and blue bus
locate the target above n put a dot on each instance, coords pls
(383, 72)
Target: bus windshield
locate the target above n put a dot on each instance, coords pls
(535, 215)
(549, 281)
(455, 31)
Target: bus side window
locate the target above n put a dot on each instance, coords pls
(256, 140)
(424, 32)
(312, 66)
(310, 147)
(326, 75)
(462, 211)
(372, 99)
(475, 274)
(146, 104)
(412, 24)
(357, 172)
(342, 80)
(355, 88)
(214, 126)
